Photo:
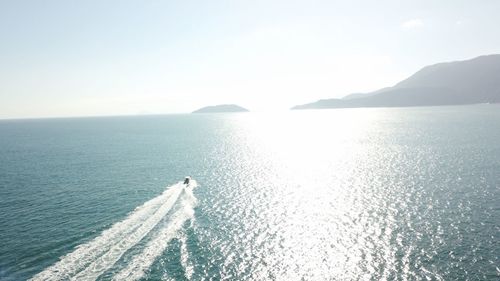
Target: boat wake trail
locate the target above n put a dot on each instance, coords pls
(90, 260)
(157, 245)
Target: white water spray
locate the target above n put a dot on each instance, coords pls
(89, 260)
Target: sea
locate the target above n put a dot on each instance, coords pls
(343, 194)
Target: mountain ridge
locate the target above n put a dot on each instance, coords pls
(448, 83)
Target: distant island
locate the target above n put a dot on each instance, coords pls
(221, 108)
(452, 83)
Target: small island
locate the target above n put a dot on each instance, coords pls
(221, 108)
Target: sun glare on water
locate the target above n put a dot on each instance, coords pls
(313, 207)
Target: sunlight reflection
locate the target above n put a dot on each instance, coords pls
(311, 194)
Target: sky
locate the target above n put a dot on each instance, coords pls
(102, 57)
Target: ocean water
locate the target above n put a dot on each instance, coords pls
(349, 194)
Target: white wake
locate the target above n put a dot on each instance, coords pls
(156, 246)
(89, 260)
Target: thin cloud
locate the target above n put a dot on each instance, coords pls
(412, 24)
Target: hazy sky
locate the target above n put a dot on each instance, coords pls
(78, 58)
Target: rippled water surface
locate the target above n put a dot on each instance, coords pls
(352, 194)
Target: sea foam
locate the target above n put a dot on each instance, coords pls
(89, 260)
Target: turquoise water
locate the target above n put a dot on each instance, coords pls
(350, 194)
